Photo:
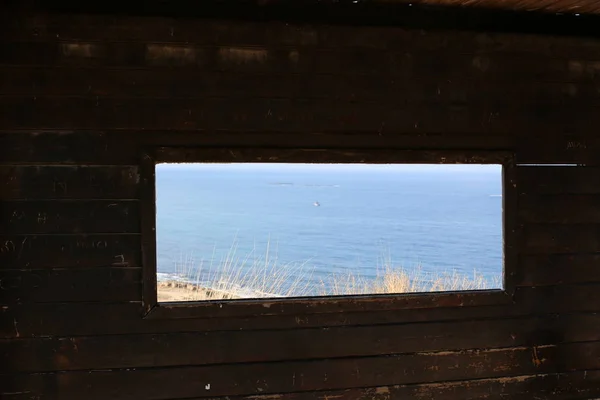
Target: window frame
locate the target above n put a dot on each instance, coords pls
(296, 306)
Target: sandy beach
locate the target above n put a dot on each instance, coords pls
(169, 291)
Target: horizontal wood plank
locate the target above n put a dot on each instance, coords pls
(124, 318)
(560, 238)
(572, 385)
(443, 62)
(559, 180)
(560, 299)
(300, 306)
(110, 149)
(69, 217)
(563, 386)
(580, 327)
(83, 319)
(89, 27)
(123, 147)
(68, 251)
(565, 152)
(311, 155)
(297, 376)
(559, 208)
(160, 22)
(182, 349)
(291, 115)
(212, 113)
(65, 147)
(68, 182)
(97, 284)
(200, 83)
(556, 269)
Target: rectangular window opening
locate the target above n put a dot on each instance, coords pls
(227, 231)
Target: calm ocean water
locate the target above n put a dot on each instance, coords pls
(334, 218)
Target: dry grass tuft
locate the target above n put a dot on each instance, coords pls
(234, 277)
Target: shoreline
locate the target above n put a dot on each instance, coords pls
(270, 285)
(172, 290)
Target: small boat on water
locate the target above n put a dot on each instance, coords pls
(316, 204)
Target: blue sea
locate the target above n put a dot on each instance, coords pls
(329, 218)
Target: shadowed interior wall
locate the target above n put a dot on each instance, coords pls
(81, 96)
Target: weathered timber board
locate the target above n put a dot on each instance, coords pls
(69, 217)
(301, 155)
(556, 269)
(66, 147)
(556, 298)
(68, 251)
(112, 149)
(300, 306)
(126, 83)
(559, 208)
(81, 319)
(548, 238)
(180, 349)
(453, 63)
(564, 386)
(294, 376)
(292, 115)
(60, 285)
(559, 180)
(68, 182)
(57, 27)
(561, 298)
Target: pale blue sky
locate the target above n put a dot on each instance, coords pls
(492, 168)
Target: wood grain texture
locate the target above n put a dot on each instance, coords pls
(570, 150)
(122, 148)
(559, 208)
(301, 306)
(549, 238)
(291, 115)
(68, 182)
(559, 180)
(60, 285)
(478, 64)
(411, 86)
(560, 298)
(136, 27)
(64, 147)
(145, 351)
(410, 82)
(20, 252)
(563, 386)
(294, 376)
(88, 319)
(312, 155)
(579, 385)
(69, 217)
(554, 6)
(556, 269)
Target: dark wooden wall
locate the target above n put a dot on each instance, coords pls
(80, 96)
